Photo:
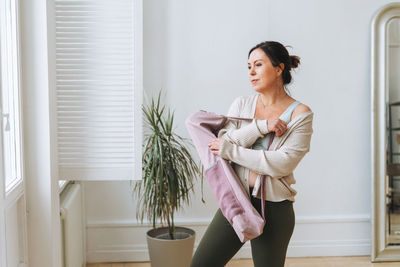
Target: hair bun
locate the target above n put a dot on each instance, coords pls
(294, 61)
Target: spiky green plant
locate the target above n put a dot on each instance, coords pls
(168, 168)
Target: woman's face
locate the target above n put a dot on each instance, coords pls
(262, 74)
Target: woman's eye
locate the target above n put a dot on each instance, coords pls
(257, 65)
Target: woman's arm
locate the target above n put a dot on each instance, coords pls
(246, 135)
(278, 163)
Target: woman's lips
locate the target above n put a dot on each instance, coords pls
(254, 81)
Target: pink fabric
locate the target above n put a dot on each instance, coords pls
(231, 196)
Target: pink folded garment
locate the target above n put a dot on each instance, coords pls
(231, 195)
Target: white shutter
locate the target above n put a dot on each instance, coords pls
(98, 102)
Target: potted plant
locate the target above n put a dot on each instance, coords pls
(167, 179)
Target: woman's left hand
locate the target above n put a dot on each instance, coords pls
(215, 145)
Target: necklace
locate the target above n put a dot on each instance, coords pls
(263, 103)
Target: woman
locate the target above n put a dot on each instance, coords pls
(276, 115)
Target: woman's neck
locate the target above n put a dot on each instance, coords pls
(273, 97)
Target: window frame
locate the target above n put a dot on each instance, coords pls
(3, 241)
(12, 195)
(17, 182)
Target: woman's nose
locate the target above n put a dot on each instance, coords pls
(252, 71)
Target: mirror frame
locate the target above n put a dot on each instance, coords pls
(379, 83)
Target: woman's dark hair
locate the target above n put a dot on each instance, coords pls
(277, 54)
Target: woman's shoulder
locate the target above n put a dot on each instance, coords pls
(300, 109)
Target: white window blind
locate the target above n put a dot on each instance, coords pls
(98, 102)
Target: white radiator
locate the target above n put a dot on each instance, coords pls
(72, 226)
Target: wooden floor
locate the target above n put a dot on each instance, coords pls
(359, 261)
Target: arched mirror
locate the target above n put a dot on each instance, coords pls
(385, 137)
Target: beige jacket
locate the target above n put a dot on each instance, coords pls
(278, 163)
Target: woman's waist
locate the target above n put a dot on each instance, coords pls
(268, 201)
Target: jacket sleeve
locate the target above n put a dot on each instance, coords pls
(244, 136)
(277, 163)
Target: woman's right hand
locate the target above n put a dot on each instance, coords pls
(276, 125)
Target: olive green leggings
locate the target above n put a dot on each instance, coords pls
(220, 242)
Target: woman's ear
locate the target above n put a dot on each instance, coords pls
(280, 68)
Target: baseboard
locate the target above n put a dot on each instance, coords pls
(125, 241)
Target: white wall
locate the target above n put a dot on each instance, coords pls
(13, 244)
(38, 83)
(197, 52)
(15, 233)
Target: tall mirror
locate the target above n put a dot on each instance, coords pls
(385, 85)
(393, 148)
